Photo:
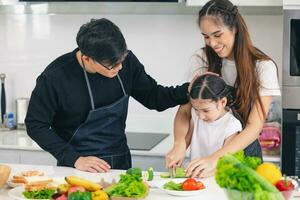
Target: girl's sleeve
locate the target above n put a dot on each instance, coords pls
(268, 77)
(234, 127)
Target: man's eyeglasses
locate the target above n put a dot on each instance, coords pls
(111, 66)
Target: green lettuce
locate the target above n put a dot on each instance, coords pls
(128, 186)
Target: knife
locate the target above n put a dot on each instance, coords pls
(3, 100)
(172, 172)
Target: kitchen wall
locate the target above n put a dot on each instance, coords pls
(163, 43)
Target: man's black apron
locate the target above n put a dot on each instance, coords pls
(103, 132)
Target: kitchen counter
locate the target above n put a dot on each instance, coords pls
(16, 147)
(18, 139)
(212, 191)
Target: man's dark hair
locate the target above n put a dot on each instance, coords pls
(101, 40)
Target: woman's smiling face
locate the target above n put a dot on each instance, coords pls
(218, 36)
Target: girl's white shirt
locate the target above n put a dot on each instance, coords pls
(207, 138)
(266, 69)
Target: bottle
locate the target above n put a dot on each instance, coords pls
(9, 118)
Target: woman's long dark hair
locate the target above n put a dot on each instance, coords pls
(245, 55)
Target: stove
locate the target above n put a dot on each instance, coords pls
(144, 141)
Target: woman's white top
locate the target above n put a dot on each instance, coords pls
(267, 72)
(209, 137)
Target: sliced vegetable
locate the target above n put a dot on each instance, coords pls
(149, 174)
(192, 184)
(165, 175)
(171, 185)
(179, 173)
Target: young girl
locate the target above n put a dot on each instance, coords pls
(213, 124)
(229, 53)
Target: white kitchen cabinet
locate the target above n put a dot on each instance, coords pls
(240, 2)
(9, 156)
(36, 158)
(291, 2)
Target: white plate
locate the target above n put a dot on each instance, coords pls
(11, 184)
(17, 194)
(160, 185)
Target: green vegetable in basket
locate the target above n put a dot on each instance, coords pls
(80, 196)
(234, 172)
(135, 171)
(39, 194)
(128, 186)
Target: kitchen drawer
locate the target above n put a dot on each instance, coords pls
(37, 158)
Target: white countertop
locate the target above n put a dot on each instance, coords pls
(212, 191)
(18, 139)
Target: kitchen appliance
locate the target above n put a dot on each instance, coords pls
(144, 141)
(21, 110)
(290, 148)
(3, 98)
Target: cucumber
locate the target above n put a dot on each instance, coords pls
(165, 175)
(149, 174)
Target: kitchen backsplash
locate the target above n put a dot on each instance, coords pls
(163, 43)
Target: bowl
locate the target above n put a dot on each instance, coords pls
(4, 174)
(238, 195)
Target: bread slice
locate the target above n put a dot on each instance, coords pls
(37, 180)
(20, 178)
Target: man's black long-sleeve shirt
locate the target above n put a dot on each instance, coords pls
(60, 101)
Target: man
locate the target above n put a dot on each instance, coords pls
(78, 108)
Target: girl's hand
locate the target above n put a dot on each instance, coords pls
(202, 167)
(176, 155)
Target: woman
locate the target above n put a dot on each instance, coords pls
(229, 53)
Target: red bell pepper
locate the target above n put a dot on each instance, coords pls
(285, 185)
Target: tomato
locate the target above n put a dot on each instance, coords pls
(76, 188)
(192, 184)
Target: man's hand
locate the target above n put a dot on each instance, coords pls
(91, 164)
(176, 155)
(202, 167)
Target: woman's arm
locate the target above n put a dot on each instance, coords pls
(252, 130)
(181, 127)
(205, 167)
(188, 137)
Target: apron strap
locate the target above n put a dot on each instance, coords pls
(89, 88)
(122, 86)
